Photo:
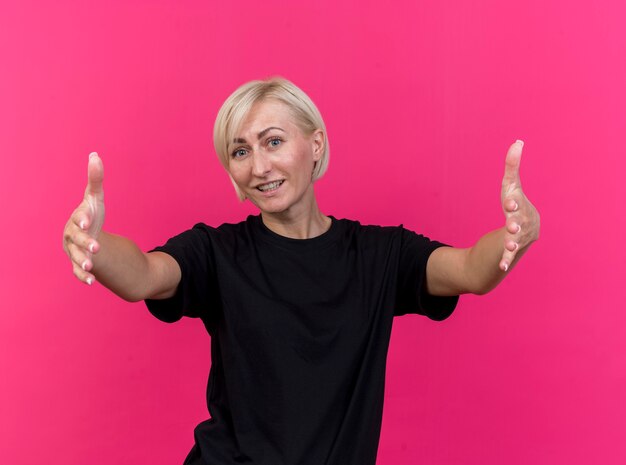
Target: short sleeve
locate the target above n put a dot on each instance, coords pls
(412, 297)
(193, 252)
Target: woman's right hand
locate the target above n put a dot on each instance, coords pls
(80, 236)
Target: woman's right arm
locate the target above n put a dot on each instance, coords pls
(114, 260)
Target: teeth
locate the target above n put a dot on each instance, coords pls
(269, 186)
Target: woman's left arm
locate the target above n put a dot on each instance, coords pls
(478, 269)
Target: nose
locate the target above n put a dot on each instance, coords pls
(261, 163)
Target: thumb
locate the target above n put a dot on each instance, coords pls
(95, 175)
(511, 166)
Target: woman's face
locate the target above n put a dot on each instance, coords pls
(272, 161)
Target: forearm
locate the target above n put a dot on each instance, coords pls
(482, 266)
(123, 268)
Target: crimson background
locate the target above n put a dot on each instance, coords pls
(421, 101)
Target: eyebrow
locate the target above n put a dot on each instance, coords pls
(259, 136)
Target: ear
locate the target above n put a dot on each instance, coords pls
(318, 142)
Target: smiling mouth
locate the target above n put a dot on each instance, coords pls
(270, 186)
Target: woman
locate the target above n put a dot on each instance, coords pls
(299, 305)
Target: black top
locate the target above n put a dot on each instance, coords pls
(299, 335)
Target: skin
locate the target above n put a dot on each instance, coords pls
(479, 269)
(271, 147)
(114, 260)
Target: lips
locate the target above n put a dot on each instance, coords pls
(270, 186)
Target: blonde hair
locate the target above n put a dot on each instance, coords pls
(236, 107)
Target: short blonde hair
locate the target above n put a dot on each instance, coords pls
(236, 107)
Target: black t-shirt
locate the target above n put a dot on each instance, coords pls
(299, 335)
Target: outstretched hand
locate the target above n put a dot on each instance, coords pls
(522, 219)
(82, 229)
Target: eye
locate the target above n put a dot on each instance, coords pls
(275, 142)
(239, 153)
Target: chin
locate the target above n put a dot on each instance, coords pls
(272, 206)
(274, 209)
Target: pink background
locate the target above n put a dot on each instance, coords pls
(421, 101)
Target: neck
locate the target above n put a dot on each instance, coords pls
(305, 224)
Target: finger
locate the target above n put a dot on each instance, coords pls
(82, 216)
(511, 245)
(507, 258)
(83, 275)
(80, 238)
(79, 257)
(510, 205)
(95, 175)
(74, 235)
(511, 166)
(513, 227)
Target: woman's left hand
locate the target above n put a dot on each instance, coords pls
(522, 218)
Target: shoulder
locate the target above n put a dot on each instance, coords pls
(393, 237)
(202, 235)
(224, 230)
(371, 234)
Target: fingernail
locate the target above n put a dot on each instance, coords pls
(91, 247)
(89, 280)
(84, 265)
(516, 245)
(506, 267)
(92, 154)
(515, 207)
(519, 228)
(82, 225)
(520, 142)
